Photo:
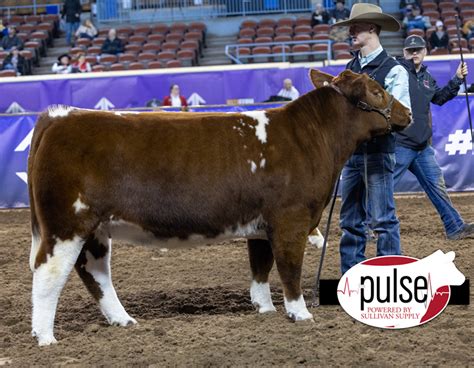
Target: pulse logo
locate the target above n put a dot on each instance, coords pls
(399, 291)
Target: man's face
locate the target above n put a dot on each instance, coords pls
(287, 84)
(112, 34)
(340, 6)
(416, 54)
(11, 31)
(359, 33)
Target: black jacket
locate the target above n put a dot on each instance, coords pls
(315, 18)
(435, 41)
(20, 65)
(423, 91)
(8, 42)
(112, 47)
(378, 70)
(72, 11)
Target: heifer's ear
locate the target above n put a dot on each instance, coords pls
(353, 85)
(320, 79)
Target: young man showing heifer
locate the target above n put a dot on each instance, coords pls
(373, 163)
(413, 150)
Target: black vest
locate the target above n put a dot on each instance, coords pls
(384, 143)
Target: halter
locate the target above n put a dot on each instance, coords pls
(385, 112)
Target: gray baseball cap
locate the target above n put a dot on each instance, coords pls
(414, 42)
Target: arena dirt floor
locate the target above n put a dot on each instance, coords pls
(193, 308)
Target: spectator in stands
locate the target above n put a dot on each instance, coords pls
(12, 40)
(3, 29)
(175, 99)
(63, 65)
(86, 30)
(14, 61)
(340, 12)
(319, 16)
(406, 5)
(112, 45)
(288, 90)
(81, 65)
(439, 38)
(414, 19)
(468, 29)
(72, 12)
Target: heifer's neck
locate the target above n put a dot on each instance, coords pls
(328, 125)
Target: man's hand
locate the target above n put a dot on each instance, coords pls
(462, 71)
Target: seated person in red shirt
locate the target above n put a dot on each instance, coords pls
(174, 99)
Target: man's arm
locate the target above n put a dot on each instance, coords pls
(443, 95)
(397, 84)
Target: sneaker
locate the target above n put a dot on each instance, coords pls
(466, 233)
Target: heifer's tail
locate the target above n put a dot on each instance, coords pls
(44, 121)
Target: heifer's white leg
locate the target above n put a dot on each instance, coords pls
(316, 238)
(261, 262)
(94, 268)
(35, 244)
(288, 245)
(48, 281)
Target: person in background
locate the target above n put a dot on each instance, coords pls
(63, 65)
(72, 12)
(112, 45)
(414, 19)
(319, 16)
(288, 90)
(439, 38)
(11, 40)
(175, 99)
(81, 65)
(408, 5)
(86, 30)
(14, 61)
(3, 29)
(340, 12)
(468, 29)
(413, 150)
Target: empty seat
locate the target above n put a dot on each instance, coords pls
(321, 28)
(26, 28)
(173, 64)
(83, 42)
(320, 47)
(263, 40)
(284, 30)
(23, 36)
(444, 6)
(133, 48)
(244, 40)
(248, 24)
(282, 38)
(146, 57)
(108, 59)
(166, 55)
(417, 32)
(454, 43)
(75, 50)
(429, 31)
(340, 46)
(285, 22)
(45, 27)
(458, 51)
(284, 50)
(197, 26)
(7, 73)
(247, 32)
(155, 65)
(189, 44)
(137, 39)
(449, 22)
(98, 68)
(103, 32)
(343, 55)
(187, 57)
(98, 41)
(136, 66)
(439, 51)
(117, 67)
(321, 36)
(303, 49)
(174, 37)
(127, 58)
(91, 59)
(156, 38)
(429, 6)
(124, 31)
(17, 19)
(151, 47)
(242, 51)
(449, 13)
(160, 28)
(261, 50)
(142, 30)
(94, 50)
(268, 22)
(432, 14)
(303, 29)
(303, 21)
(265, 32)
(178, 27)
(302, 37)
(170, 46)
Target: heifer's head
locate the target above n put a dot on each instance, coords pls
(388, 114)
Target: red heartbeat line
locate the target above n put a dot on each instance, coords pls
(347, 289)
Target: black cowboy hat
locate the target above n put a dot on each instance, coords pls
(64, 55)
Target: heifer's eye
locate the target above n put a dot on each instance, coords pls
(378, 94)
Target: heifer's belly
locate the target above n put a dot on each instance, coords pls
(133, 233)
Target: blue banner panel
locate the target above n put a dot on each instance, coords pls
(451, 140)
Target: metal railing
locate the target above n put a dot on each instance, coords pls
(232, 51)
(173, 10)
(35, 7)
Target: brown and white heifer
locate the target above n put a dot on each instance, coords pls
(261, 175)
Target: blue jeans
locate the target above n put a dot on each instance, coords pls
(424, 166)
(353, 217)
(71, 28)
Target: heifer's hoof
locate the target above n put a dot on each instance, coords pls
(316, 240)
(264, 308)
(301, 317)
(125, 322)
(46, 340)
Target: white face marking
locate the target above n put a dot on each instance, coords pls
(79, 205)
(296, 309)
(99, 268)
(317, 239)
(261, 296)
(262, 121)
(59, 111)
(262, 163)
(35, 244)
(48, 280)
(325, 83)
(120, 113)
